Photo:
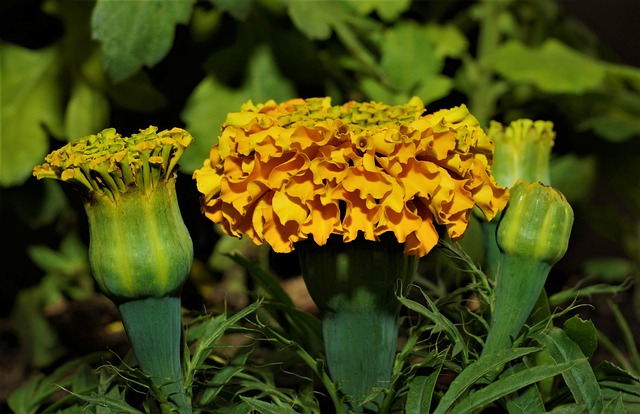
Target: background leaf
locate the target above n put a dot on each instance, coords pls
(553, 67)
(136, 33)
(30, 106)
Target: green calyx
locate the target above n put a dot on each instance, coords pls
(355, 285)
(536, 223)
(139, 246)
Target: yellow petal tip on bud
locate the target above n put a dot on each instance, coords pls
(522, 150)
(110, 164)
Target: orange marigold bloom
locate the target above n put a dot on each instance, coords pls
(283, 172)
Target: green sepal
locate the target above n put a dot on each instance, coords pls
(139, 246)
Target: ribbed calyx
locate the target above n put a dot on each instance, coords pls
(536, 223)
(355, 285)
(139, 246)
(533, 235)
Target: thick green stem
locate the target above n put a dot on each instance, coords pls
(354, 285)
(519, 281)
(154, 328)
(491, 249)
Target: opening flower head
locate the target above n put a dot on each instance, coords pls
(283, 172)
(109, 164)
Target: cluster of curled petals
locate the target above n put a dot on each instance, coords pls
(281, 173)
(111, 164)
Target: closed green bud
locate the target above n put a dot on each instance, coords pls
(536, 223)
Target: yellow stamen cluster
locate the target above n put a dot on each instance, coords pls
(110, 164)
(283, 172)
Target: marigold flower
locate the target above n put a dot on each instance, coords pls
(281, 173)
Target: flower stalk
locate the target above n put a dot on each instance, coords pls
(140, 251)
(533, 234)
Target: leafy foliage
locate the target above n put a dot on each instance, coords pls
(188, 63)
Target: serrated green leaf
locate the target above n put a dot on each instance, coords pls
(208, 105)
(421, 392)
(239, 9)
(31, 105)
(580, 379)
(87, 111)
(553, 67)
(134, 34)
(582, 332)
(508, 384)
(475, 371)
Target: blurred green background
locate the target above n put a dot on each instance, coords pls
(69, 68)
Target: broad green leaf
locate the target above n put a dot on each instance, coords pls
(421, 392)
(508, 384)
(582, 332)
(553, 67)
(239, 9)
(30, 105)
(580, 379)
(486, 365)
(208, 105)
(134, 34)
(316, 19)
(615, 125)
(406, 66)
(574, 176)
(87, 111)
(448, 40)
(385, 9)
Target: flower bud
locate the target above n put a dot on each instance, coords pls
(521, 150)
(536, 223)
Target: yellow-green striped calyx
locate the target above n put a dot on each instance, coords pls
(139, 245)
(536, 223)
